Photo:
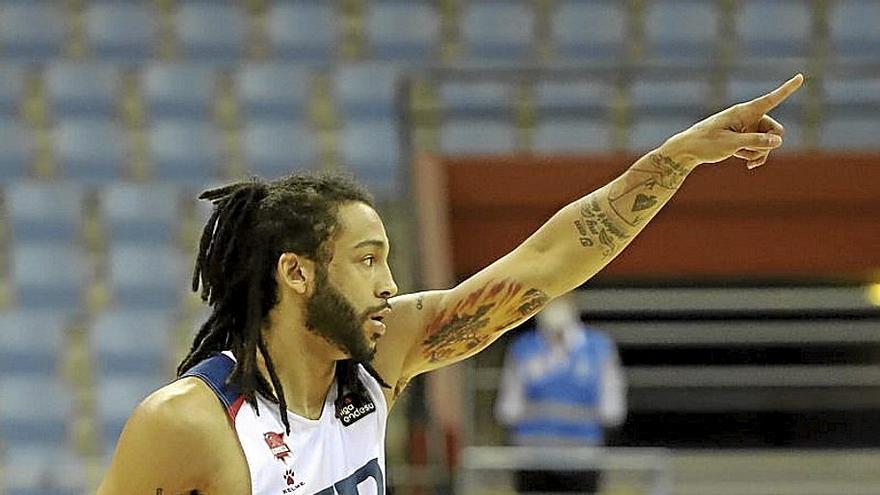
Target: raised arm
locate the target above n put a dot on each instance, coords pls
(442, 327)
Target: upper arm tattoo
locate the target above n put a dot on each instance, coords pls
(478, 318)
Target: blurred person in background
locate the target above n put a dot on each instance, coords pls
(562, 385)
(288, 384)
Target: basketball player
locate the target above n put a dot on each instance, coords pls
(288, 384)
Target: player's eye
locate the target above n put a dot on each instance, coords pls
(369, 260)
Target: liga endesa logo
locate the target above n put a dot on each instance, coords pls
(354, 408)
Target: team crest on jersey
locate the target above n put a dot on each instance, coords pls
(276, 444)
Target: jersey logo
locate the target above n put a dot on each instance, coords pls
(354, 408)
(292, 485)
(276, 444)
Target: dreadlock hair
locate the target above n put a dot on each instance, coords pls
(252, 224)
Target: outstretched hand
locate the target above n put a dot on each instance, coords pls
(743, 130)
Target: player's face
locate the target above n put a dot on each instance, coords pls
(350, 297)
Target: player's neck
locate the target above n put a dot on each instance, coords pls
(304, 367)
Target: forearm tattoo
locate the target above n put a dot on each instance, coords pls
(632, 199)
(479, 318)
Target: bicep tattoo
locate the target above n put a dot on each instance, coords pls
(479, 318)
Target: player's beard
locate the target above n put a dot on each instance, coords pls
(331, 316)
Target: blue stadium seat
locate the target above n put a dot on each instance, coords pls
(663, 96)
(121, 32)
(42, 470)
(403, 30)
(477, 136)
(274, 91)
(12, 88)
(855, 30)
(48, 275)
(277, 149)
(76, 89)
(116, 398)
(211, 32)
(41, 211)
(90, 150)
(499, 29)
(140, 212)
(568, 135)
(178, 90)
(589, 30)
(366, 91)
(185, 151)
(35, 410)
(571, 98)
(681, 30)
(146, 276)
(850, 132)
(762, 34)
(31, 341)
(477, 98)
(648, 132)
(852, 93)
(131, 342)
(19, 38)
(303, 31)
(372, 151)
(18, 150)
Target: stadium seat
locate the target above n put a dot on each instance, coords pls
(677, 30)
(185, 151)
(303, 31)
(648, 132)
(569, 135)
(499, 29)
(855, 30)
(477, 136)
(276, 149)
(477, 98)
(579, 98)
(18, 150)
(48, 275)
(371, 150)
(116, 398)
(403, 30)
(131, 342)
(90, 150)
(274, 91)
(47, 212)
(200, 38)
(19, 38)
(366, 91)
(140, 212)
(42, 470)
(29, 423)
(146, 276)
(12, 88)
(121, 32)
(31, 342)
(589, 30)
(687, 97)
(761, 35)
(850, 132)
(178, 90)
(852, 93)
(76, 89)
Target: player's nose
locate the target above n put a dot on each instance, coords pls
(387, 287)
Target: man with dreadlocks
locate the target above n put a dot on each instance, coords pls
(297, 276)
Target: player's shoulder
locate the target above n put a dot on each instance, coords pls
(186, 407)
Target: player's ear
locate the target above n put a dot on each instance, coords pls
(295, 272)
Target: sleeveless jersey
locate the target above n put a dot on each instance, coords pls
(331, 455)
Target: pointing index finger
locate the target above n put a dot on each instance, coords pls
(771, 100)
